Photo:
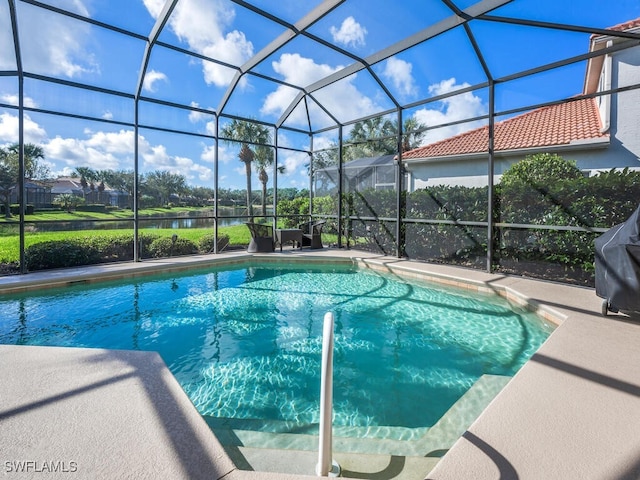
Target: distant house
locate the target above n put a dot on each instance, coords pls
(378, 173)
(67, 185)
(106, 196)
(599, 133)
(37, 193)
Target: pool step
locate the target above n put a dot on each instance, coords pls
(353, 465)
(285, 427)
(422, 442)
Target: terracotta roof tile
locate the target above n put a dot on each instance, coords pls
(559, 124)
(621, 27)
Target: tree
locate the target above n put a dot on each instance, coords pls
(8, 178)
(87, 175)
(263, 160)
(34, 169)
(379, 136)
(9, 169)
(412, 134)
(120, 180)
(247, 133)
(202, 195)
(166, 184)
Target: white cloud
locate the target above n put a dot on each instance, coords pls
(75, 6)
(297, 70)
(33, 133)
(157, 158)
(100, 151)
(14, 100)
(345, 101)
(154, 7)
(202, 25)
(294, 163)
(225, 155)
(398, 72)
(59, 46)
(210, 128)
(118, 143)
(323, 141)
(104, 151)
(107, 115)
(208, 153)
(234, 49)
(457, 107)
(151, 78)
(341, 98)
(195, 117)
(73, 152)
(350, 33)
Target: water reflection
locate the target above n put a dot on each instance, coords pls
(171, 220)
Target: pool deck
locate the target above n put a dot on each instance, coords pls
(572, 412)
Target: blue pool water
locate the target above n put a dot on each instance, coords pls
(245, 343)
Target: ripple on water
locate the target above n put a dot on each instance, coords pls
(246, 343)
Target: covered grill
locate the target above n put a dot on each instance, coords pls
(618, 266)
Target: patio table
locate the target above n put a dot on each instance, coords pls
(288, 235)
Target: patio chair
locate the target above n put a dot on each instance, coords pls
(312, 234)
(261, 238)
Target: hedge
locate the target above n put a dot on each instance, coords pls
(601, 201)
(74, 252)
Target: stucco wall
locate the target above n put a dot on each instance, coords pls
(623, 150)
(625, 110)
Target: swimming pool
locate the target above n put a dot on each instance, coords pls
(244, 342)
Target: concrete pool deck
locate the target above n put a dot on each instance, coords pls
(573, 410)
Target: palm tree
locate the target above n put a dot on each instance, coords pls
(87, 175)
(33, 169)
(246, 133)
(263, 160)
(67, 201)
(246, 156)
(8, 178)
(9, 169)
(412, 134)
(378, 136)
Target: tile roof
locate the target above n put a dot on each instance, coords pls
(553, 125)
(623, 27)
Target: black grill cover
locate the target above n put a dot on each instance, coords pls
(618, 264)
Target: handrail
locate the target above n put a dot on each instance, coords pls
(326, 465)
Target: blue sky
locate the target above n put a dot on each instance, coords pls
(71, 50)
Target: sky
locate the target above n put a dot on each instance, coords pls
(73, 51)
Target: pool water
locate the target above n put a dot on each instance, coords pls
(245, 343)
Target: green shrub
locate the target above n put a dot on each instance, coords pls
(14, 208)
(539, 169)
(206, 243)
(57, 254)
(75, 252)
(293, 212)
(166, 247)
(92, 207)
